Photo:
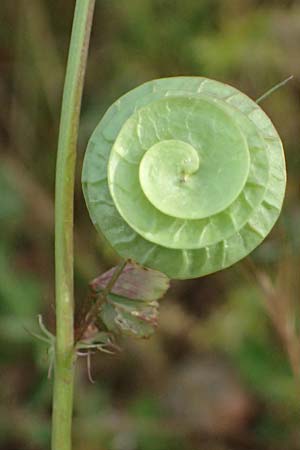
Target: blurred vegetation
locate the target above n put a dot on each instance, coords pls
(218, 373)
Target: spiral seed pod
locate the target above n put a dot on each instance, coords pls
(185, 175)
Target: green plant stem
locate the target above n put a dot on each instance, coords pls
(64, 200)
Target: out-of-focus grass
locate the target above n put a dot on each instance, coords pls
(251, 44)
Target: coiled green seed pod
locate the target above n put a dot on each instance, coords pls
(185, 175)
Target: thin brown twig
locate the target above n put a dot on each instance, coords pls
(276, 302)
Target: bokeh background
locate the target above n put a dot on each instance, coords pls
(222, 371)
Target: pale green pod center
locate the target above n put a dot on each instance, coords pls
(167, 176)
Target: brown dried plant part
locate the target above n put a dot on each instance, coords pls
(280, 302)
(124, 301)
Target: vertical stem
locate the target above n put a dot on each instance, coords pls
(64, 199)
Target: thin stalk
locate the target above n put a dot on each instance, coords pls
(273, 89)
(64, 205)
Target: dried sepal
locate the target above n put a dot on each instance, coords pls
(136, 318)
(135, 282)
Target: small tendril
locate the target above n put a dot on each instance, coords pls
(274, 88)
(48, 338)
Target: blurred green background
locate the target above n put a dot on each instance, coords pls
(218, 374)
